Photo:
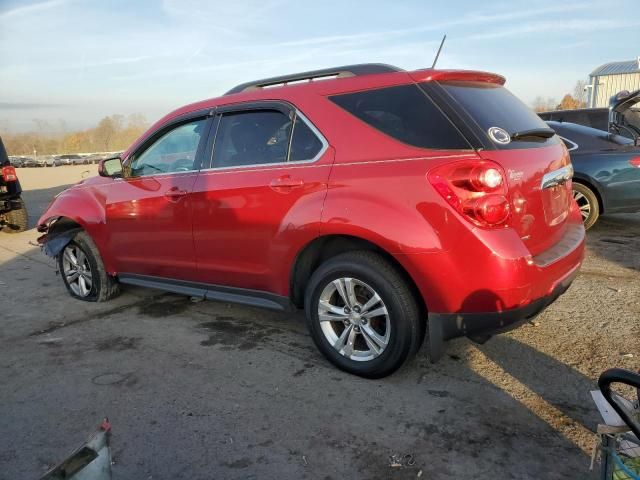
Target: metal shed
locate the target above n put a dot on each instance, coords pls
(611, 78)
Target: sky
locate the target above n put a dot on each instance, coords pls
(71, 62)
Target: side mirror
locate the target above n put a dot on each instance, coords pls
(111, 167)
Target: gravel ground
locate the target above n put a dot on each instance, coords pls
(212, 390)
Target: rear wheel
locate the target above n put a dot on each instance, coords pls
(362, 315)
(83, 272)
(587, 203)
(16, 221)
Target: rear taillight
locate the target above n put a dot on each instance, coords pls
(9, 174)
(477, 189)
(635, 162)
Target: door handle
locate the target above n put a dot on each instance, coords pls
(286, 183)
(175, 194)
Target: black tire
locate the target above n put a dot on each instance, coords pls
(104, 287)
(586, 199)
(407, 326)
(16, 221)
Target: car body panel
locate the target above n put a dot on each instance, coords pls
(247, 231)
(602, 160)
(136, 209)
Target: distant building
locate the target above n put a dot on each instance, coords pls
(611, 78)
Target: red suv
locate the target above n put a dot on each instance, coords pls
(385, 203)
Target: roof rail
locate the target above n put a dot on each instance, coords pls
(335, 72)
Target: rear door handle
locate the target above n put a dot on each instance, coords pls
(175, 194)
(286, 183)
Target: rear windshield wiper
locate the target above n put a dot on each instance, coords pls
(534, 132)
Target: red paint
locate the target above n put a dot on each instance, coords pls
(244, 227)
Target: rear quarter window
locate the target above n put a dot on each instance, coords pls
(491, 105)
(404, 113)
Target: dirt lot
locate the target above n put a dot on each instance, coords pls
(212, 390)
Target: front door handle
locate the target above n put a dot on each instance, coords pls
(175, 194)
(286, 183)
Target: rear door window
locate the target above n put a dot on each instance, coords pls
(252, 138)
(305, 144)
(490, 105)
(404, 113)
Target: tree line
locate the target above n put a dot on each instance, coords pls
(569, 102)
(113, 133)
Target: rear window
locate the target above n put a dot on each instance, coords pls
(404, 113)
(491, 105)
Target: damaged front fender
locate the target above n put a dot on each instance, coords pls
(53, 243)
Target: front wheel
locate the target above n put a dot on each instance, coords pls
(587, 203)
(83, 272)
(362, 314)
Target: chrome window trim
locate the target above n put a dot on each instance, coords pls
(312, 127)
(557, 177)
(574, 145)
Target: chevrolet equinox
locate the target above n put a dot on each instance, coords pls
(387, 204)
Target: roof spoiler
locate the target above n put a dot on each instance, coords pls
(335, 72)
(429, 75)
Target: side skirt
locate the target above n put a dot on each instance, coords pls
(244, 296)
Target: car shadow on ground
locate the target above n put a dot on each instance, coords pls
(613, 236)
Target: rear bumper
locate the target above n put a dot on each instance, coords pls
(7, 204)
(481, 326)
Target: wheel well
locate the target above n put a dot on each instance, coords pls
(322, 249)
(62, 225)
(595, 191)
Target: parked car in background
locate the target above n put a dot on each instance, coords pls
(606, 168)
(94, 159)
(35, 162)
(385, 203)
(81, 160)
(13, 212)
(65, 160)
(18, 161)
(622, 113)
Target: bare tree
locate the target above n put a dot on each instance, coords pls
(541, 104)
(580, 93)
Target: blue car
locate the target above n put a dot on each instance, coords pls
(606, 170)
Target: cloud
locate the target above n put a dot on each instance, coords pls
(32, 8)
(28, 105)
(563, 26)
(474, 18)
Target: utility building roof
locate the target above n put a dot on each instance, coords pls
(617, 68)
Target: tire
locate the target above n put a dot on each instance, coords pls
(16, 221)
(588, 204)
(401, 326)
(101, 287)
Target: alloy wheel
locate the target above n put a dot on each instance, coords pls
(583, 204)
(354, 319)
(77, 270)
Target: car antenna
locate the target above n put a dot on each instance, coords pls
(435, 60)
